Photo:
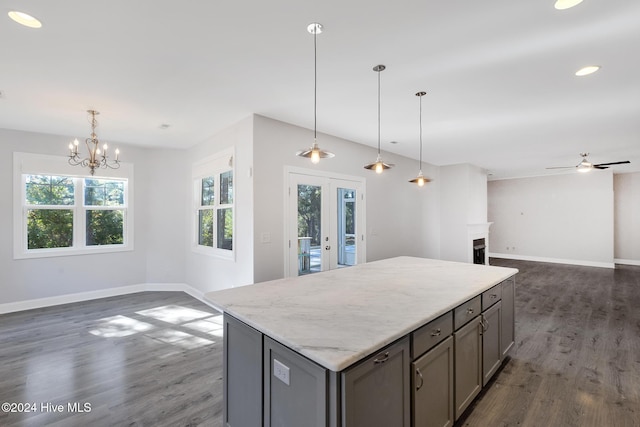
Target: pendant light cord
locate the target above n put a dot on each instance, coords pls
(315, 84)
(420, 164)
(379, 112)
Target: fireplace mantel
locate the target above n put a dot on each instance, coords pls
(478, 231)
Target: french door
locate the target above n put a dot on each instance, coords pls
(325, 223)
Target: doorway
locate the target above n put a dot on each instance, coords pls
(325, 223)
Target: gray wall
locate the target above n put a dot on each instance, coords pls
(559, 218)
(154, 258)
(396, 219)
(627, 218)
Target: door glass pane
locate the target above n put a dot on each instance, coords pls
(346, 227)
(309, 229)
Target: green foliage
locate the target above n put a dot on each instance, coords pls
(309, 205)
(49, 190)
(208, 191)
(49, 228)
(225, 228)
(102, 192)
(53, 228)
(105, 227)
(205, 227)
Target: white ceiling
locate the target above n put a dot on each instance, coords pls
(499, 74)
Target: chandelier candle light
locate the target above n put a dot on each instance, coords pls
(96, 159)
(420, 179)
(378, 165)
(315, 153)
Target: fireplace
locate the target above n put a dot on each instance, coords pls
(479, 248)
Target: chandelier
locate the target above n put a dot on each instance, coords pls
(97, 159)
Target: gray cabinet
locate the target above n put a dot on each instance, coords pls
(242, 365)
(508, 316)
(491, 341)
(295, 388)
(376, 391)
(432, 390)
(467, 364)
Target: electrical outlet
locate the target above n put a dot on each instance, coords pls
(281, 371)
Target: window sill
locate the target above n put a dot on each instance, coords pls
(61, 252)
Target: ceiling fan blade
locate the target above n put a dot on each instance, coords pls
(562, 167)
(600, 167)
(612, 163)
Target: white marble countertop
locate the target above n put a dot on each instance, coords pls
(339, 317)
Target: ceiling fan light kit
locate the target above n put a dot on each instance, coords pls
(586, 166)
(315, 153)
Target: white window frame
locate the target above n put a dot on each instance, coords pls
(39, 164)
(214, 165)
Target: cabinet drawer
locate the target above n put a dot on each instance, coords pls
(431, 334)
(465, 312)
(491, 296)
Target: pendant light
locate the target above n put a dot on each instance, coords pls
(378, 165)
(315, 153)
(420, 179)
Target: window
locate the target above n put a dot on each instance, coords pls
(214, 201)
(60, 214)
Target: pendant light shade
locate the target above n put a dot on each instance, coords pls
(420, 179)
(378, 165)
(315, 153)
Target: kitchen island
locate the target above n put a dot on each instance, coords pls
(374, 344)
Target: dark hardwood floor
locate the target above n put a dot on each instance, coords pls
(155, 359)
(576, 360)
(147, 359)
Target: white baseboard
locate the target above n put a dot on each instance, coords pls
(627, 261)
(553, 260)
(103, 293)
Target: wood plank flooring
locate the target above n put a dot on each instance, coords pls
(147, 359)
(155, 359)
(576, 361)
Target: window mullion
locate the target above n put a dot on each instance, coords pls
(79, 215)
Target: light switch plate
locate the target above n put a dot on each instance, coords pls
(281, 371)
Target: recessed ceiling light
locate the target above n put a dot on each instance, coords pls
(585, 71)
(566, 4)
(24, 19)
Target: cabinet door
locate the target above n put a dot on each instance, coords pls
(491, 336)
(508, 316)
(242, 364)
(433, 387)
(376, 392)
(295, 388)
(467, 364)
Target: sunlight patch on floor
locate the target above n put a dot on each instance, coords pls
(174, 314)
(119, 326)
(178, 338)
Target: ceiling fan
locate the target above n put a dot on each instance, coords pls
(585, 165)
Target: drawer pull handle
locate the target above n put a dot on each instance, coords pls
(421, 379)
(384, 358)
(470, 311)
(436, 332)
(494, 296)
